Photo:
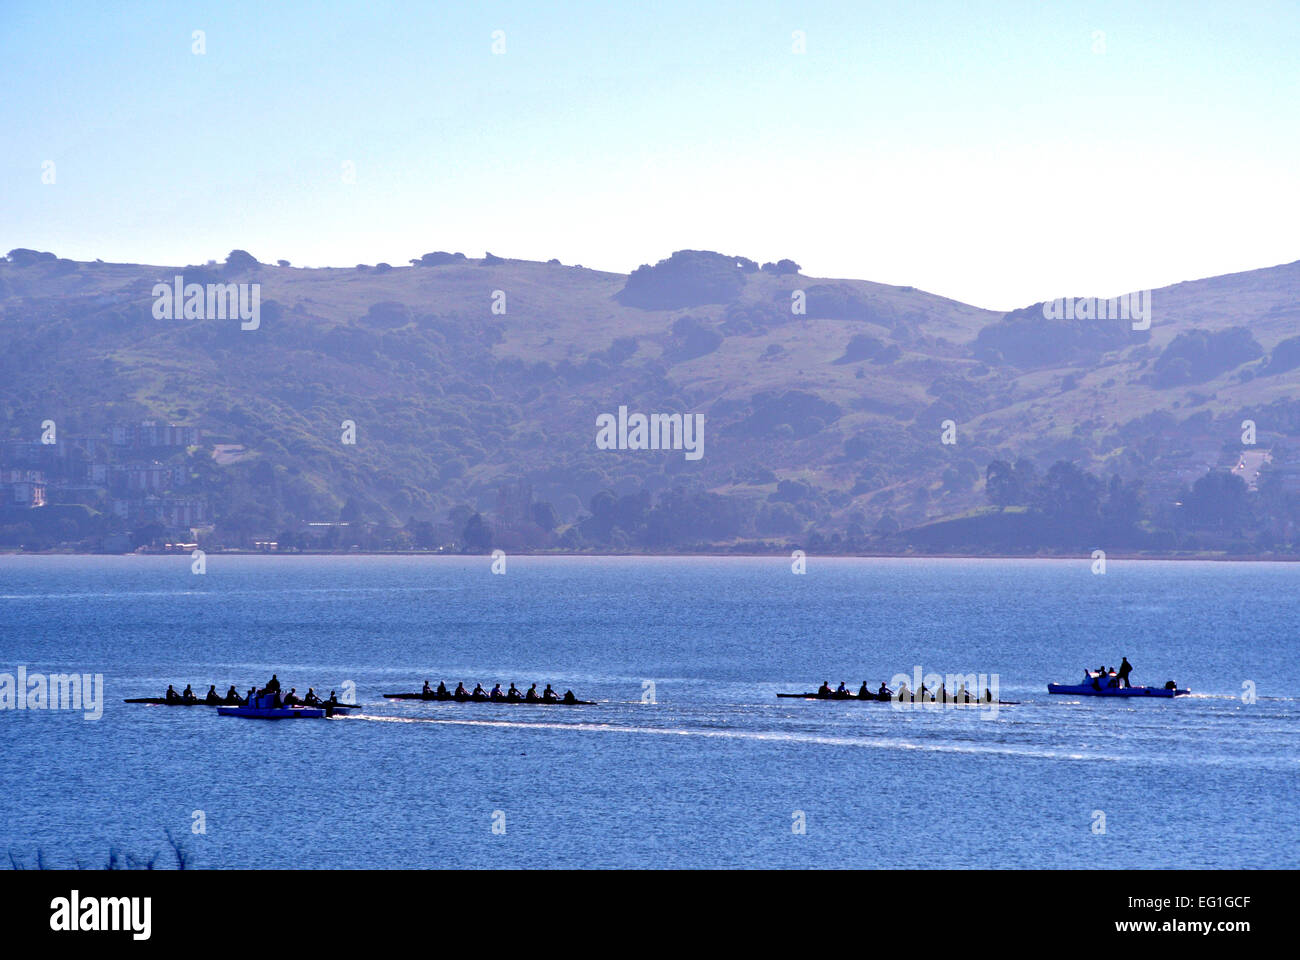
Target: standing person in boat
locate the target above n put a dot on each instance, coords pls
(549, 695)
(1125, 668)
(825, 689)
(531, 695)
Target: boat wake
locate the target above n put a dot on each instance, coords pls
(860, 742)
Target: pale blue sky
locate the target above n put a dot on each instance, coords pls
(998, 153)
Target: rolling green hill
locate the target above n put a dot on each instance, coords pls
(822, 422)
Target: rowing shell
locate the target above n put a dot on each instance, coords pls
(164, 702)
(873, 698)
(451, 698)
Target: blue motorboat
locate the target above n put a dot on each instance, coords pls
(1096, 684)
(268, 706)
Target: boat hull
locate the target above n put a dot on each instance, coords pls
(1087, 690)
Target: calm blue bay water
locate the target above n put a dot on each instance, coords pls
(712, 773)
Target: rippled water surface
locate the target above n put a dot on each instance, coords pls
(716, 771)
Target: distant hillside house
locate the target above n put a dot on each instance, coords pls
(147, 433)
(22, 488)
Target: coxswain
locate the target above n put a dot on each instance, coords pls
(1125, 668)
(549, 695)
(569, 697)
(531, 695)
(825, 689)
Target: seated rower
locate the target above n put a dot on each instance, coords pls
(187, 694)
(841, 690)
(461, 691)
(531, 695)
(925, 694)
(825, 689)
(442, 689)
(513, 693)
(479, 693)
(497, 693)
(426, 691)
(884, 693)
(291, 698)
(251, 699)
(311, 699)
(212, 696)
(988, 695)
(334, 699)
(171, 696)
(904, 695)
(863, 692)
(232, 695)
(943, 693)
(569, 697)
(549, 695)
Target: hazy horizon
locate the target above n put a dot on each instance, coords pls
(996, 160)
